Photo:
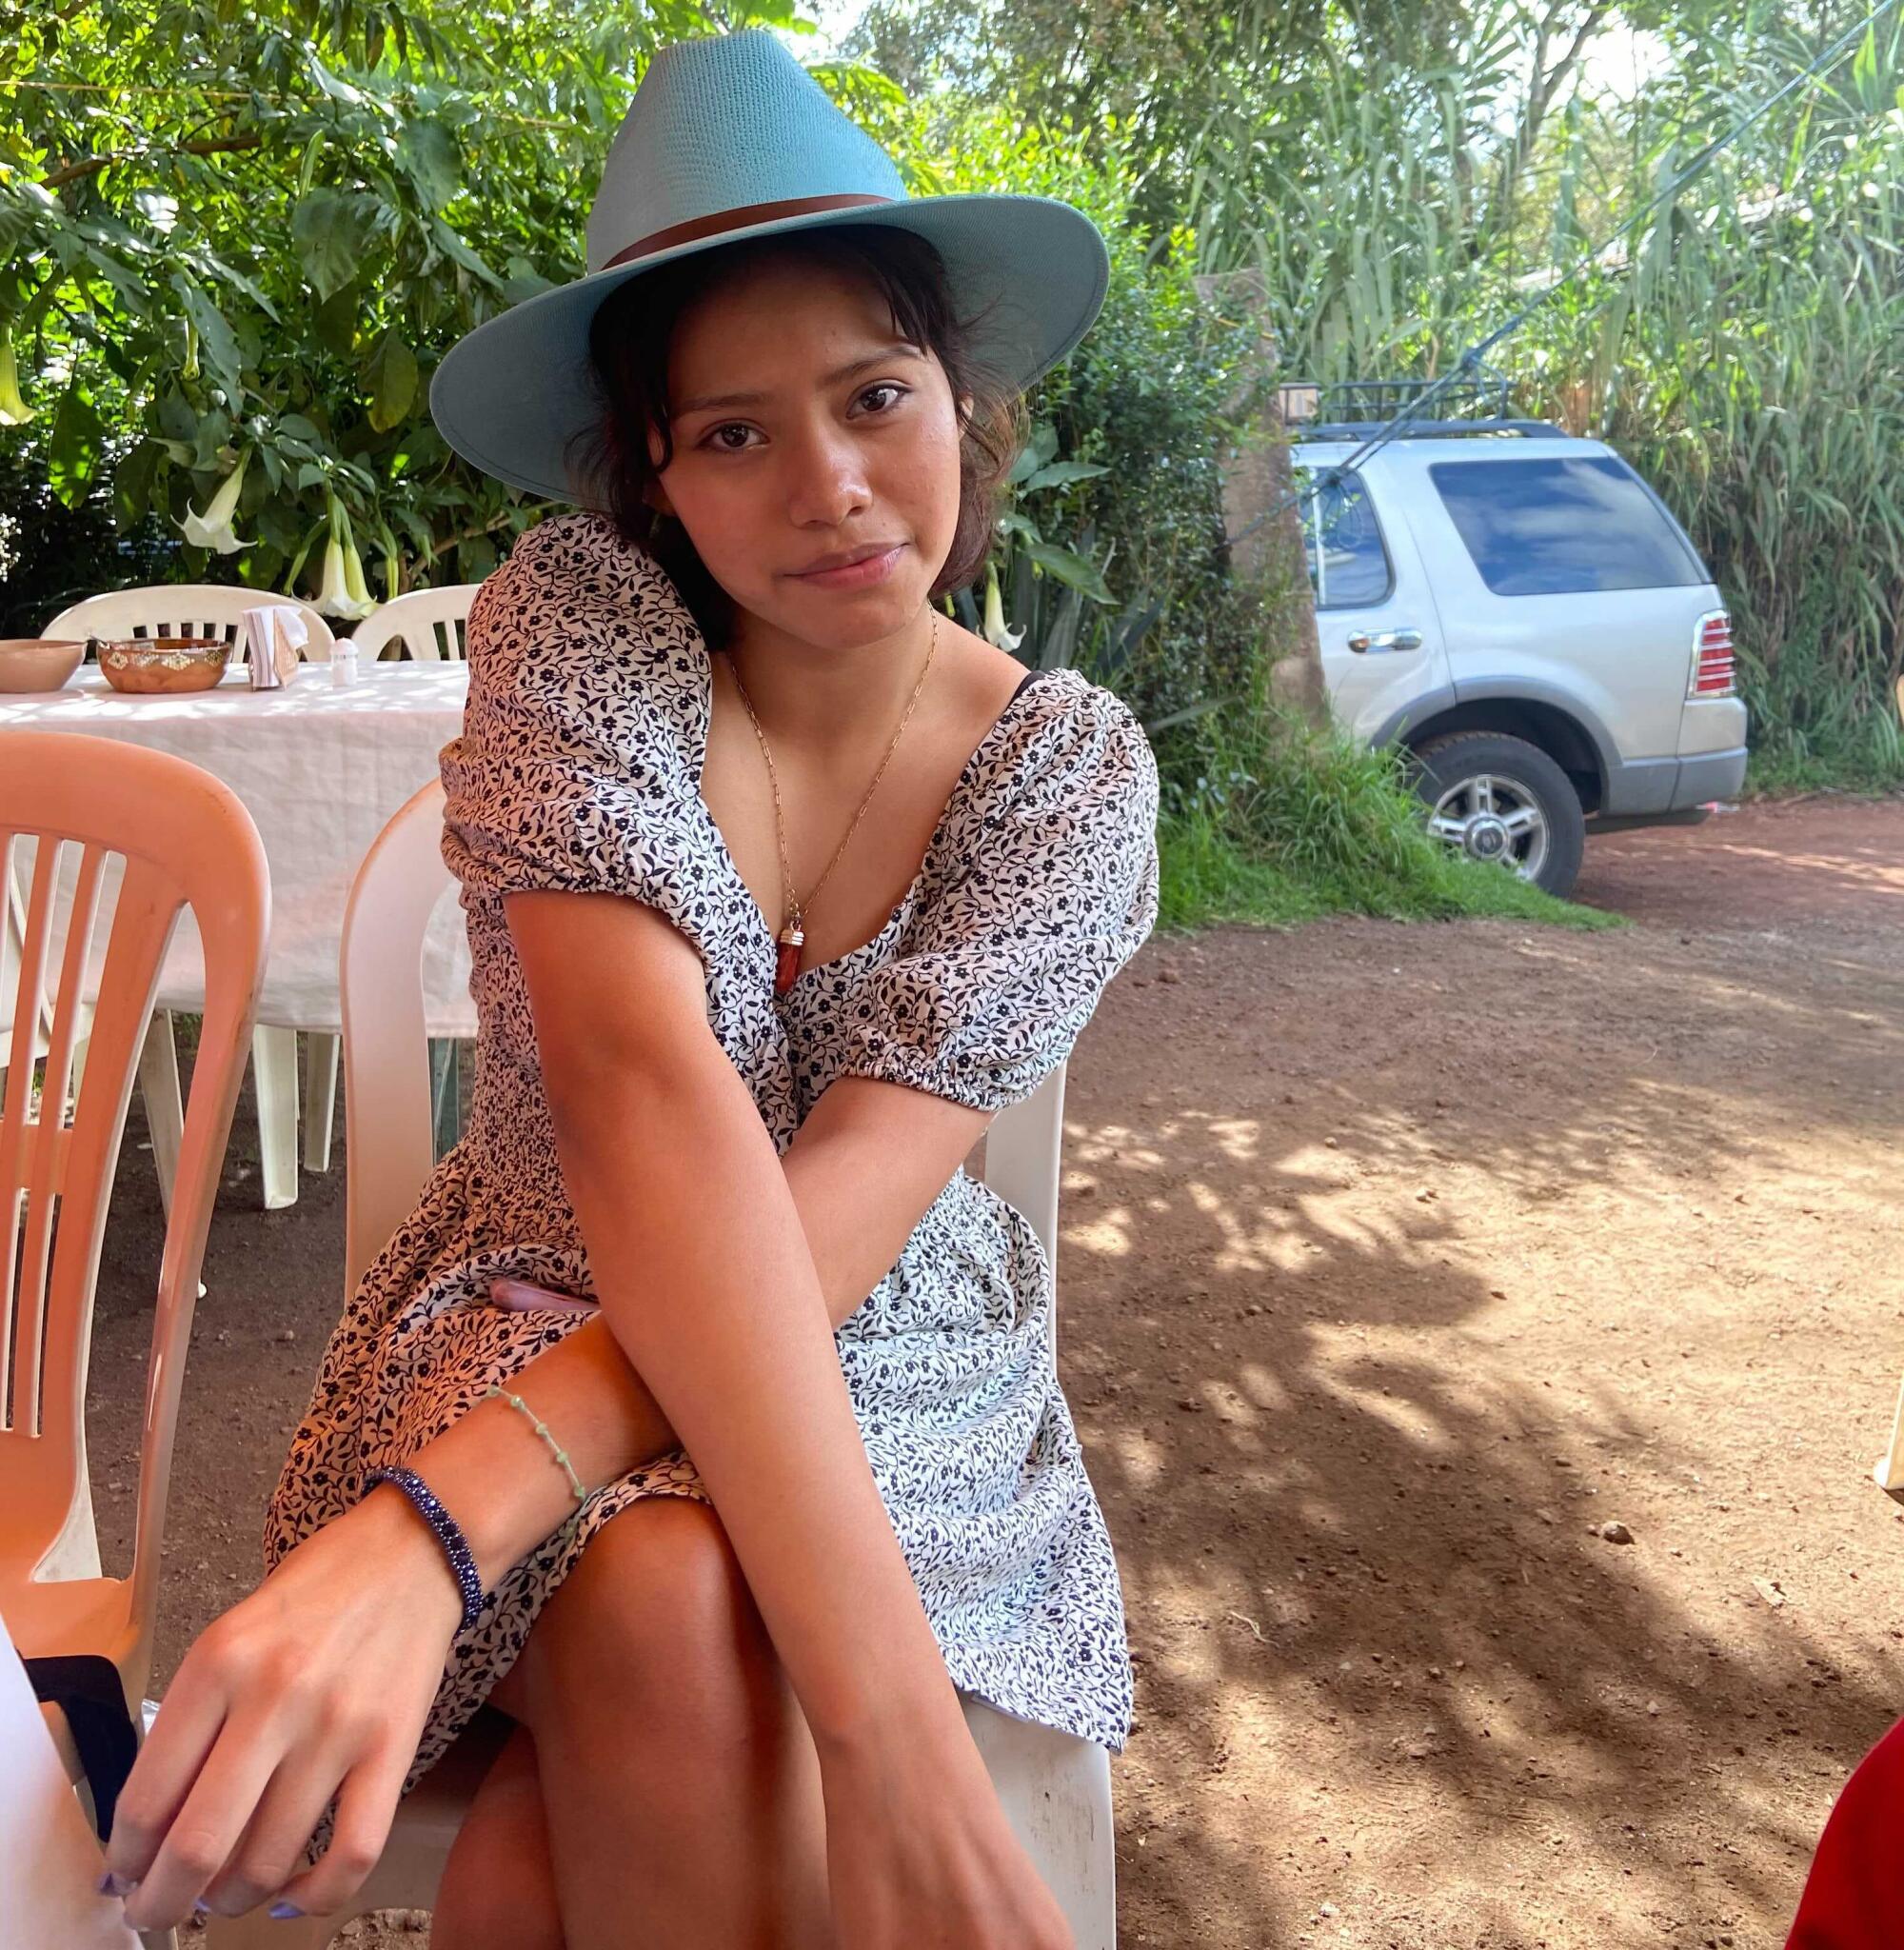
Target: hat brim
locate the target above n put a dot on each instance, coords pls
(511, 396)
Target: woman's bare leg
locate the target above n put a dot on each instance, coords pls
(680, 1781)
(498, 1889)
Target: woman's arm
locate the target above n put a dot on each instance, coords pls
(865, 1163)
(707, 1281)
(322, 1676)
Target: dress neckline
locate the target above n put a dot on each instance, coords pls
(758, 923)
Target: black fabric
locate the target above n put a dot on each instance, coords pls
(86, 1688)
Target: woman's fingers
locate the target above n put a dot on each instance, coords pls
(202, 1836)
(270, 1851)
(163, 1771)
(367, 1805)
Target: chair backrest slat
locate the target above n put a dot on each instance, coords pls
(182, 839)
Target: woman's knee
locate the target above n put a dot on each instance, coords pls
(655, 1618)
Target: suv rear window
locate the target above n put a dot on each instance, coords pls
(1563, 527)
(1341, 542)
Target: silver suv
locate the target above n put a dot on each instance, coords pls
(1519, 609)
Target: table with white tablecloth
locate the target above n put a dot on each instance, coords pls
(321, 769)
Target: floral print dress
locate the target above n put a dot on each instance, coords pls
(578, 766)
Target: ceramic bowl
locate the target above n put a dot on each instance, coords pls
(145, 663)
(37, 662)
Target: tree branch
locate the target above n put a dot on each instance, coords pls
(90, 165)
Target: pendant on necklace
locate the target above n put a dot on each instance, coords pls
(786, 962)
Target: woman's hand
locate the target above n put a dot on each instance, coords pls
(920, 1852)
(317, 1684)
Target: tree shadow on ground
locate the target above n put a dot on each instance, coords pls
(1346, 1546)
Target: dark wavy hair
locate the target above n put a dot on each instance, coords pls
(628, 344)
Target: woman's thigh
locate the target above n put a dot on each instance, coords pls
(498, 1890)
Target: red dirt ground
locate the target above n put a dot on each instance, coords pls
(1397, 1261)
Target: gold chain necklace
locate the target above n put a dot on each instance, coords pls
(793, 934)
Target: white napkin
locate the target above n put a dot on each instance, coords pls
(281, 626)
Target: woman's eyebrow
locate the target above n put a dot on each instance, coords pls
(704, 401)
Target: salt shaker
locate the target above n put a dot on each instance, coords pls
(342, 664)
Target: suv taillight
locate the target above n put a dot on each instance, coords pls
(1712, 656)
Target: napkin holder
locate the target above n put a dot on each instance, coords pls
(277, 633)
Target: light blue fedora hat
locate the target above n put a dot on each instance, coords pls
(727, 138)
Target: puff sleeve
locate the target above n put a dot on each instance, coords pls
(572, 769)
(1054, 889)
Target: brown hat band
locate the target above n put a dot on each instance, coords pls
(740, 219)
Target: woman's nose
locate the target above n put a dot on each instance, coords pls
(827, 479)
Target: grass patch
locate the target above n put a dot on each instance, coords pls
(1289, 823)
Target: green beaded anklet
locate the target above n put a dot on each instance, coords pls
(542, 1429)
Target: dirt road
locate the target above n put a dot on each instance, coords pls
(1398, 1264)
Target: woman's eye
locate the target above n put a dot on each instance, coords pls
(714, 436)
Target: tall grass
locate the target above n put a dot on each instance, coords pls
(1289, 823)
(1742, 349)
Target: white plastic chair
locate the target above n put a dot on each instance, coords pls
(428, 622)
(185, 609)
(1055, 1788)
(218, 609)
(185, 840)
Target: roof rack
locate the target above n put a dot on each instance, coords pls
(1430, 430)
(1357, 409)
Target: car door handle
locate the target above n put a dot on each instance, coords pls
(1385, 640)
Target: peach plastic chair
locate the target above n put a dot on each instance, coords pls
(218, 609)
(185, 840)
(428, 623)
(1055, 1788)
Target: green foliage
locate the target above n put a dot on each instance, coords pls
(1121, 568)
(232, 231)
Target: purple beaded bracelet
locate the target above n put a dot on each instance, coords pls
(449, 1534)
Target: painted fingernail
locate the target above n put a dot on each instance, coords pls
(110, 1883)
(201, 1906)
(283, 1911)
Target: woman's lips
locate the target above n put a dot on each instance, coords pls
(855, 575)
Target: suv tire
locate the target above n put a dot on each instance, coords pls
(1495, 797)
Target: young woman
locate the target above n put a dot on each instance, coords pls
(779, 885)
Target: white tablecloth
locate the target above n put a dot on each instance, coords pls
(320, 770)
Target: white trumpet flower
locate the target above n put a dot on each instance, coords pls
(14, 411)
(333, 595)
(213, 528)
(995, 631)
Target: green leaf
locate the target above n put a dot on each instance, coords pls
(330, 231)
(391, 377)
(1070, 570)
(454, 246)
(72, 454)
(1061, 474)
(216, 340)
(427, 153)
(335, 321)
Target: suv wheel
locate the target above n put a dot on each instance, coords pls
(1501, 799)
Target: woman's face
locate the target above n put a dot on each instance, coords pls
(805, 427)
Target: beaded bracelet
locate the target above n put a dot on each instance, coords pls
(542, 1429)
(449, 1534)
